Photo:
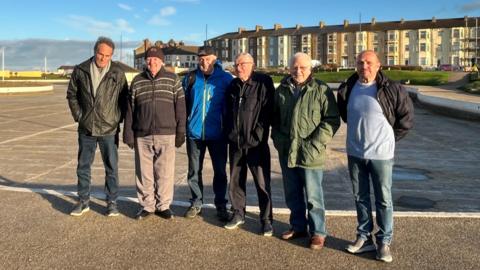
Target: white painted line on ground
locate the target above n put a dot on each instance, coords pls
(252, 209)
(38, 133)
(49, 171)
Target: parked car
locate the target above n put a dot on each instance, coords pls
(449, 67)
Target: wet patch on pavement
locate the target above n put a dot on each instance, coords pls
(409, 174)
(415, 202)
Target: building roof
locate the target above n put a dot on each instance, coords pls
(180, 50)
(372, 26)
(66, 67)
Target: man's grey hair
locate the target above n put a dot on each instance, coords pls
(298, 55)
(246, 54)
(104, 40)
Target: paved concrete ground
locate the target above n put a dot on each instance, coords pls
(436, 172)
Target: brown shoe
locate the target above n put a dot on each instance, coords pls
(291, 234)
(317, 241)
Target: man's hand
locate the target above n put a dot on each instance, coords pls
(179, 139)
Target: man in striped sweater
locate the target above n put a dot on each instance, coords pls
(154, 126)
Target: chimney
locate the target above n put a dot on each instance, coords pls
(434, 20)
(258, 28)
(298, 26)
(240, 30)
(402, 20)
(345, 23)
(277, 26)
(321, 24)
(374, 21)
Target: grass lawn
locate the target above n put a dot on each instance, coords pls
(415, 77)
(21, 84)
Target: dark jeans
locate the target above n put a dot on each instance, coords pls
(380, 174)
(304, 191)
(196, 153)
(86, 154)
(257, 159)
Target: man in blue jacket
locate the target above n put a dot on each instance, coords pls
(205, 99)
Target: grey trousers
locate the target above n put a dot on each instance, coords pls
(154, 170)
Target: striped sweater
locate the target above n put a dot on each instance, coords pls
(156, 106)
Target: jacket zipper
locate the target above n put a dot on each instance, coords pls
(204, 106)
(154, 107)
(238, 114)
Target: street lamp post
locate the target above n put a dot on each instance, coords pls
(3, 63)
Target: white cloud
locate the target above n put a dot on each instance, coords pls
(160, 18)
(96, 27)
(136, 16)
(474, 5)
(167, 11)
(124, 6)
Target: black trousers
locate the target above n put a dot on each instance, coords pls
(257, 160)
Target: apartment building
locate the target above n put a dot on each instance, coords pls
(177, 54)
(426, 43)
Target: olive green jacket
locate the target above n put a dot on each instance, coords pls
(301, 128)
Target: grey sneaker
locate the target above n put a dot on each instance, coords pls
(236, 221)
(112, 210)
(384, 254)
(360, 245)
(79, 209)
(192, 212)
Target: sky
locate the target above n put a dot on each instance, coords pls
(64, 31)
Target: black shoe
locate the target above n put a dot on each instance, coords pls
(166, 214)
(223, 214)
(236, 221)
(142, 214)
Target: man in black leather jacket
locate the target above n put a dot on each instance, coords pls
(97, 97)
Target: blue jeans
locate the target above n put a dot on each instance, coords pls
(380, 173)
(303, 191)
(196, 153)
(86, 154)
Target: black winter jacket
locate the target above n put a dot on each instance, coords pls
(392, 97)
(101, 114)
(249, 110)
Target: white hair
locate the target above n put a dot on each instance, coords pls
(246, 54)
(301, 55)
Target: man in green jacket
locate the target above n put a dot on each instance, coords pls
(97, 96)
(305, 119)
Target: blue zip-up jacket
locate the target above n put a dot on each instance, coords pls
(206, 103)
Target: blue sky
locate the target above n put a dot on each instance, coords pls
(186, 19)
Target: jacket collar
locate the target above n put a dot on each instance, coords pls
(161, 73)
(85, 67)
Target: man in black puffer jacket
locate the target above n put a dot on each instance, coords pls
(379, 112)
(97, 95)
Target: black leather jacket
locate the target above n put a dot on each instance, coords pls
(392, 97)
(102, 114)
